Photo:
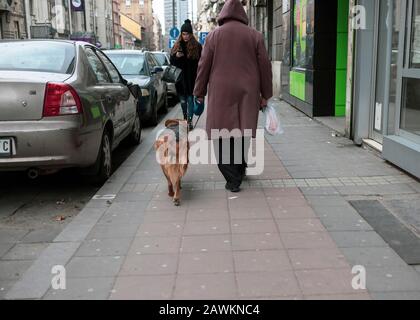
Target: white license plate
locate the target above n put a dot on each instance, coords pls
(5, 147)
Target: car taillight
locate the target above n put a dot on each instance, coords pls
(61, 99)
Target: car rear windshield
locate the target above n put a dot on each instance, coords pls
(128, 64)
(161, 58)
(37, 56)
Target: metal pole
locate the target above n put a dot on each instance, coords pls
(28, 19)
(84, 15)
(173, 13)
(70, 22)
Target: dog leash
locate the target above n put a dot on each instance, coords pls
(196, 123)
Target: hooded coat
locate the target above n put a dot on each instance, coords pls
(236, 72)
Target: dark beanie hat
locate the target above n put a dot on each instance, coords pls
(187, 26)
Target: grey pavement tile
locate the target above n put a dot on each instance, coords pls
(352, 239)
(128, 217)
(101, 231)
(307, 240)
(164, 216)
(326, 281)
(352, 223)
(267, 285)
(94, 267)
(206, 243)
(340, 297)
(13, 270)
(300, 225)
(207, 214)
(8, 235)
(5, 286)
(46, 234)
(261, 261)
(306, 174)
(158, 287)
(36, 281)
(128, 207)
(321, 191)
(219, 286)
(396, 295)
(154, 245)
(25, 251)
(4, 248)
(326, 201)
(83, 289)
(253, 226)
(304, 212)
(392, 279)
(206, 227)
(415, 186)
(160, 229)
(150, 264)
(104, 247)
(208, 262)
(255, 241)
(250, 213)
(132, 197)
(373, 257)
(306, 259)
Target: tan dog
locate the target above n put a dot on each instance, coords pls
(172, 148)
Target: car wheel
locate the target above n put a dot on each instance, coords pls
(154, 116)
(103, 163)
(135, 136)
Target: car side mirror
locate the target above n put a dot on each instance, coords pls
(135, 90)
(157, 69)
(125, 82)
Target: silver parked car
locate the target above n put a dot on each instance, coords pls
(164, 61)
(63, 104)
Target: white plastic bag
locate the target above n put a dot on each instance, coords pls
(272, 120)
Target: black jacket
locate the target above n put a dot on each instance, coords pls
(185, 86)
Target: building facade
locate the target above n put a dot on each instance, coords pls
(353, 61)
(12, 19)
(116, 20)
(177, 8)
(157, 31)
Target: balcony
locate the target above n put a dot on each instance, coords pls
(6, 5)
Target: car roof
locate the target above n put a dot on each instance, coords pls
(125, 51)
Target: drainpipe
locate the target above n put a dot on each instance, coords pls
(70, 21)
(28, 19)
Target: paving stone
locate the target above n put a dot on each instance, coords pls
(326, 201)
(206, 243)
(293, 213)
(132, 197)
(322, 191)
(250, 213)
(25, 251)
(12, 235)
(352, 239)
(207, 214)
(218, 286)
(5, 286)
(209, 262)
(101, 231)
(256, 242)
(154, 245)
(206, 227)
(83, 289)
(92, 267)
(326, 281)
(253, 226)
(47, 234)
(299, 225)
(267, 284)
(373, 257)
(150, 264)
(392, 279)
(149, 287)
(104, 247)
(395, 295)
(305, 259)
(307, 240)
(261, 261)
(13, 270)
(4, 248)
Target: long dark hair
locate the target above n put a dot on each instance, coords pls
(193, 47)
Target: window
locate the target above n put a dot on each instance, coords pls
(17, 30)
(97, 67)
(115, 76)
(129, 64)
(410, 109)
(161, 59)
(299, 34)
(415, 36)
(127, 3)
(141, 2)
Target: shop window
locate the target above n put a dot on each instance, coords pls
(415, 36)
(299, 33)
(410, 109)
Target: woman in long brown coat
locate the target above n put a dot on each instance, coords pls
(236, 71)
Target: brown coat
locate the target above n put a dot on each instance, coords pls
(236, 71)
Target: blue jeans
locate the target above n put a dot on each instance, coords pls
(187, 104)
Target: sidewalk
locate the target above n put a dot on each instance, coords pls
(292, 233)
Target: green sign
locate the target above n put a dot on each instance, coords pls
(299, 35)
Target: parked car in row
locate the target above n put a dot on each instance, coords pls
(141, 68)
(163, 59)
(63, 104)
